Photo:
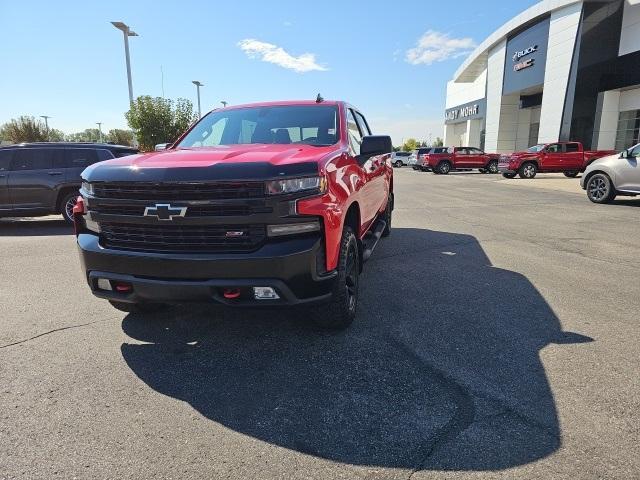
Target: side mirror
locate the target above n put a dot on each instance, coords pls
(162, 146)
(624, 154)
(373, 145)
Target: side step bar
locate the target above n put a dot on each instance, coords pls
(371, 239)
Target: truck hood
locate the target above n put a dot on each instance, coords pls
(226, 162)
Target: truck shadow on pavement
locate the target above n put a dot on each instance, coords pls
(441, 370)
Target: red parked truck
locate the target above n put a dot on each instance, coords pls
(460, 158)
(569, 158)
(269, 204)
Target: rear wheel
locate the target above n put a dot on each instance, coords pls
(67, 202)
(443, 167)
(398, 164)
(600, 189)
(492, 166)
(136, 307)
(528, 170)
(571, 174)
(340, 312)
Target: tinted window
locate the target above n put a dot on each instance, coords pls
(311, 125)
(441, 150)
(554, 148)
(402, 154)
(424, 151)
(104, 155)
(33, 159)
(5, 159)
(80, 157)
(355, 139)
(362, 123)
(572, 147)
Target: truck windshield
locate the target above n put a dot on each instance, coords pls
(297, 124)
(535, 148)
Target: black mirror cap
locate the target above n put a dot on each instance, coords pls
(375, 145)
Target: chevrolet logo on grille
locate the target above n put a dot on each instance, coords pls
(164, 211)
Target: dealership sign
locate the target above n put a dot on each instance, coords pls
(523, 53)
(468, 111)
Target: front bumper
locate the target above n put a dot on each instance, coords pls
(504, 168)
(293, 267)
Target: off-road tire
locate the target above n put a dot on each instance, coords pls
(340, 311)
(387, 217)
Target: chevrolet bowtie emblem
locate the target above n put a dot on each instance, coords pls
(164, 211)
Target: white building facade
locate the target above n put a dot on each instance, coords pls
(561, 70)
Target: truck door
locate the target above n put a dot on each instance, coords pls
(573, 157)
(477, 157)
(367, 194)
(377, 169)
(5, 161)
(552, 157)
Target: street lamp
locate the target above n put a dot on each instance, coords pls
(46, 123)
(224, 104)
(100, 131)
(127, 32)
(198, 85)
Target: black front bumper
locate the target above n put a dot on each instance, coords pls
(504, 168)
(293, 267)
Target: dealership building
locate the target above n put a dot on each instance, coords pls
(561, 70)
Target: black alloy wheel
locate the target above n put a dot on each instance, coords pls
(492, 166)
(444, 167)
(341, 310)
(66, 206)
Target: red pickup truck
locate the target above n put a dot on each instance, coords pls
(569, 158)
(269, 204)
(460, 158)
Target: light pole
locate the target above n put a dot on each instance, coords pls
(100, 131)
(46, 124)
(198, 85)
(127, 32)
(224, 104)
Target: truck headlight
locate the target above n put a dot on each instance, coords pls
(87, 188)
(294, 185)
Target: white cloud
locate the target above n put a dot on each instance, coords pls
(267, 52)
(435, 46)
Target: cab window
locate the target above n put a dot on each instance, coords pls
(355, 139)
(572, 147)
(554, 148)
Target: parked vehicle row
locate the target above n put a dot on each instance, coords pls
(444, 160)
(39, 179)
(569, 158)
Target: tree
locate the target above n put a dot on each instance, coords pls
(438, 142)
(156, 120)
(410, 145)
(24, 129)
(88, 135)
(120, 137)
(56, 135)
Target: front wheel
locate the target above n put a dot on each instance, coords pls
(340, 312)
(443, 167)
(528, 170)
(509, 175)
(398, 164)
(571, 174)
(66, 206)
(600, 189)
(492, 166)
(388, 213)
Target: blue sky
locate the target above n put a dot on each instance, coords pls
(391, 59)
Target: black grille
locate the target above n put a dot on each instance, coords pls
(183, 238)
(192, 210)
(180, 191)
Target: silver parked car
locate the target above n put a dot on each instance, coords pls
(400, 159)
(613, 175)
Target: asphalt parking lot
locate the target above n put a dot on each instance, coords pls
(497, 337)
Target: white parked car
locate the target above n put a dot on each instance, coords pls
(400, 159)
(614, 175)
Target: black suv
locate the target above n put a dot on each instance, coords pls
(43, 178)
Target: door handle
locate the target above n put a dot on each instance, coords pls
(54, 173)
